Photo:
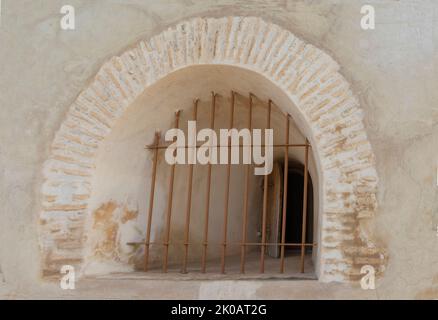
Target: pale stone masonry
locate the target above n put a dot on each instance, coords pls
(306, 74)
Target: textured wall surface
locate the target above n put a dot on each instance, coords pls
(392, 71)
(321, 101)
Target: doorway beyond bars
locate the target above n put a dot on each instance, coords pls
(155, 147)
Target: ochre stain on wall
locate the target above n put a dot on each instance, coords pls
(429, 293)
(107, 220)
(104, 223)
(129, 215)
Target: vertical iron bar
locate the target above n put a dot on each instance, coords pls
(207, 202)
(169, 205)
(151, 201)
(227, 191)
(265, 204)
(285, 180)
(246, 195)
(304, 226)
(189, 195)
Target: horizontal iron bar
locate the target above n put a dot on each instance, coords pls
(152, 147)
(221, 243)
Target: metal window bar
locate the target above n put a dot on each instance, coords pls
(304, 226)
(151, 200)
(227, 191)
(156, 147)
(207, 202)
(285, 181)
(265, 202)
(169, 205)
(189, 200)
(245, 201)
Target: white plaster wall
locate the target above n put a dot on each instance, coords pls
(392, 70)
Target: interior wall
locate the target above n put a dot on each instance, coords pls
(121, 186)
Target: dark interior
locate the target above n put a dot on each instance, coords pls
(294, 213)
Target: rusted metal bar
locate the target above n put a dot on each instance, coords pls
(304, 226)
(169, 205)
(207, 201)
(245, 201)
(151, 202)
(265, 203)
(189, 199)
(239, 146)
(285, 181)
(276, 244)
(229, 243)
(227, 191)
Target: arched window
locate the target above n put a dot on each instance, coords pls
(94, 195)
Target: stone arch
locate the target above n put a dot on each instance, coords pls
(309, 77)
